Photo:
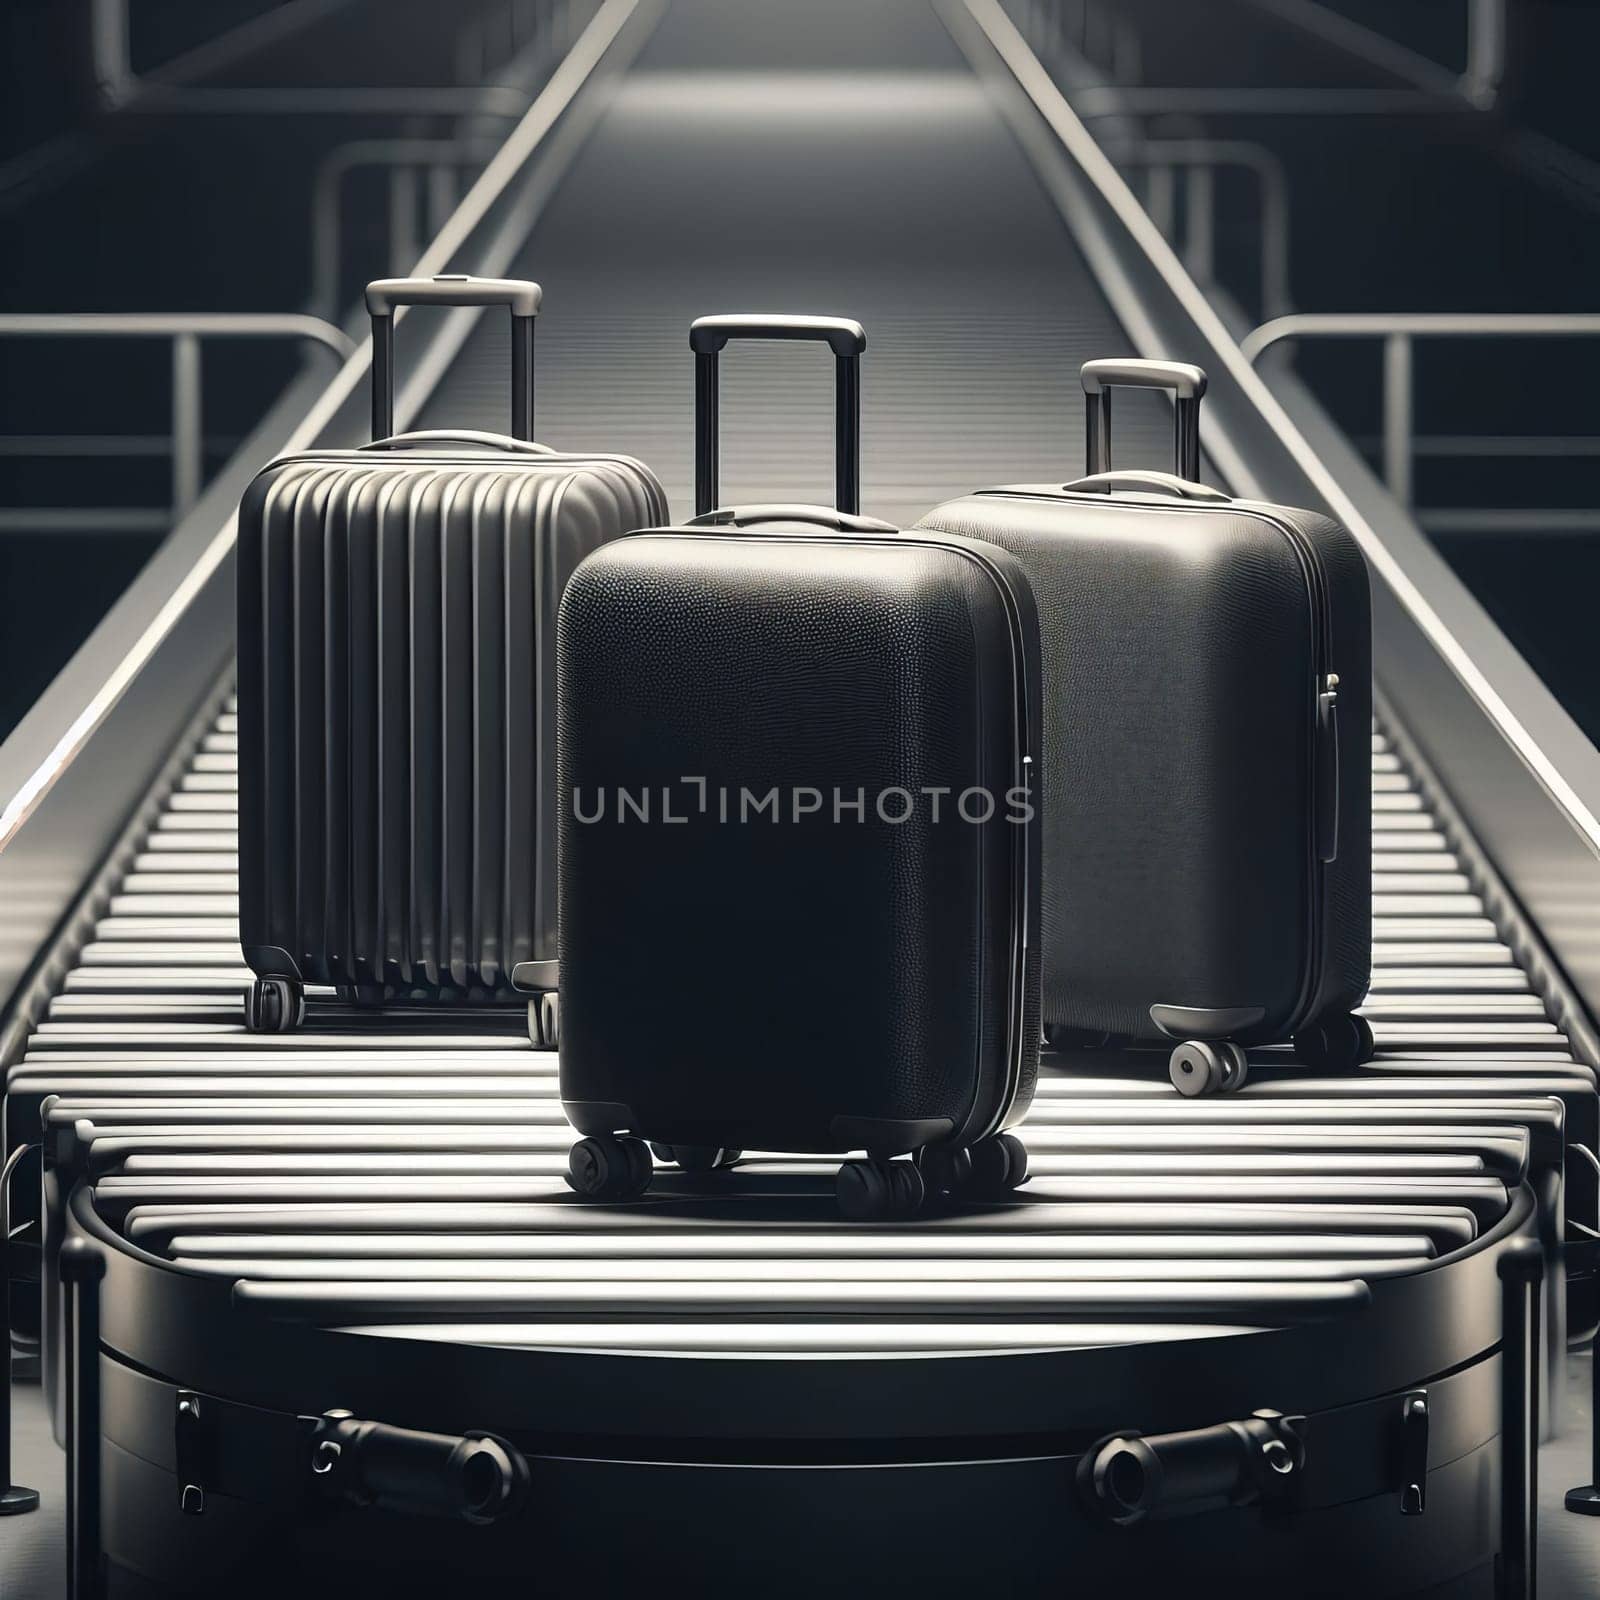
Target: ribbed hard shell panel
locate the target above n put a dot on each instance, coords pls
(396, 710)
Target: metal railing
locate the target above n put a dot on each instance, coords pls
(111, 45)
(505, 30)
(1398, 331)
(1095, 30)
(122, 89)
(1199, 160)
(430, 166)
(185, 330)
(424, 172)
(1100, 35)
(1484, 54)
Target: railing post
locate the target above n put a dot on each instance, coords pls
(441, 195)
(15, 1498)
(188, 464)
(325, 239)
(1275, 299)
(403, 246)
(1397, 415)
(1200, 221)
(113, 69)
(1160, 193)
(1127, 53)
(1521, 1270)
(82, 1266)
(1486, 52)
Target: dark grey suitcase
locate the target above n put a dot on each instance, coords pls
(1206, 782)
(397, 607)
(772, 936)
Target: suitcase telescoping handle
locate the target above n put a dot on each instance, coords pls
(1187, 384)
(453, 289)
(847, 339)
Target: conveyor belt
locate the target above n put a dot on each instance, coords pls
(406, 1171)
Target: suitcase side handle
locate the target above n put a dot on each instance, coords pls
(847, 339)
(1187, 383)
(520, 296)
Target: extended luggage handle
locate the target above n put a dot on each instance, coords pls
(847, 339)
(1188, 384)
(521, 297)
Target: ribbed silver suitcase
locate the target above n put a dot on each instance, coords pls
(397, 608)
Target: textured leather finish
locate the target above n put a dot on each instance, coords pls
(396, 708)
(1180, 865)
(732, 978)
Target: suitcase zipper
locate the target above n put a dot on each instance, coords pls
(1022, 765)
(1324, 747)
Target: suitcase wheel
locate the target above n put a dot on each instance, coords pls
(999, 1165)
(946, 1170)
(1336, 1043)
(544, 1021)
(879, 1191)
(1208, 1066)
(274, 1005)
(695, 1157)
(608, 1168)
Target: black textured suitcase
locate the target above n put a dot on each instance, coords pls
(397, 794)
(1207, 754)
(796, 750)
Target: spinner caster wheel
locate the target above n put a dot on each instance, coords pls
(999, 1165)
(696, 1157)
(1239, 1075)
(274, 1005)
(946, 1170)
(1200, 1066)
(544, 1021)
(879, 1191)
(608, 1168)
(1336, 1043)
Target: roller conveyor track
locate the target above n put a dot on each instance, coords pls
(405, 1170)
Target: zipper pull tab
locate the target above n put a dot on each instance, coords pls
(1327, 758)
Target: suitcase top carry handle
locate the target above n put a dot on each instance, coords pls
(433, 438)
(1146, 483)
(820, 516)
(1187, 383)
(847, 339)
(453, 289)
